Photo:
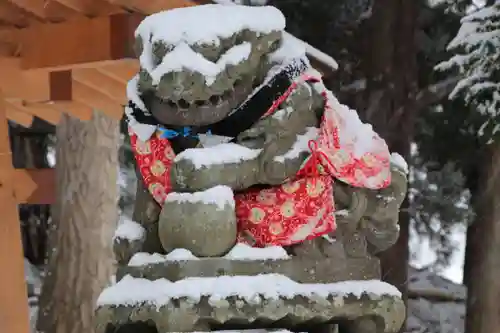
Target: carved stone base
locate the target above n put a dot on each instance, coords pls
(303, 270)
(244, 302)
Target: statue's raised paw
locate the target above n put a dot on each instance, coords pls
(367, 220)
(380, 221)
(226, 164)
(202, 222)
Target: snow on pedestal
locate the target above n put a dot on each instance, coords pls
(241, 252)
(143, 258)
(193, 303)
(136, 291)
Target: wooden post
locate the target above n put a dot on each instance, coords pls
(13, 292)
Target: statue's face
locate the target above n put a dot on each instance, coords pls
(211, 85)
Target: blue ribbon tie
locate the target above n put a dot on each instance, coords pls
(167, 133)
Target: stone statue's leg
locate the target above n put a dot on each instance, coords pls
(146, 213)
(203, 222)
(145, 216)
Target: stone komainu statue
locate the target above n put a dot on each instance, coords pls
(261, 198)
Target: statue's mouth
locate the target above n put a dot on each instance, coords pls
(200, 112)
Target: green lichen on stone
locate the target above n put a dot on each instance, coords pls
(189, 315)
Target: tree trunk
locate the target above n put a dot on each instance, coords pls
(482, 259)
(390, 65)
(84, 220)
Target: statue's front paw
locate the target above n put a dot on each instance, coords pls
(380, 235)
(380, 222)
(201, 222)
(228, 164)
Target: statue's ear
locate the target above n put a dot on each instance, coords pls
(398, 163)
(398, 170)
(399, 182)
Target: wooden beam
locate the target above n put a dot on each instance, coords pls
(32, 85)
(7, 49)
(74, 108)
(13, 15)
(24, 113)
(82, 41)
(11, 35)
(10, 42)
(35, 186)
(99, 81)
(40, 110)
(19, 117)
(91, 7)
(150, 7)
(51, 111)
(37, 128)
(74, 98)
(17, 84)
(97, 100)
(50, 11)
(121, 70)
(14, 316)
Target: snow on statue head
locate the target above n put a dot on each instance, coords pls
(199, 63)
(238, 141)
(238, 145)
